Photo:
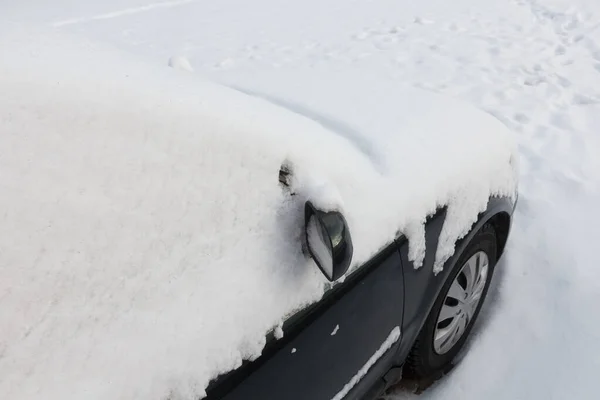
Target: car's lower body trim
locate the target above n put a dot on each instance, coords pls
(385, 346)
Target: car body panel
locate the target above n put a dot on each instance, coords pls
(421, 285)
(315, 363)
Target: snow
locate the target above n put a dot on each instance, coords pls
(335, 330)
(123, 12)
(385, 346)
(181, 63)
(442, 133)
(533, 64)
(278, 332)
(146, 220)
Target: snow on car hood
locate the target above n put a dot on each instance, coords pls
(427, 150)
(145, 243)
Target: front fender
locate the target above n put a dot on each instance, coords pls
(422, 287)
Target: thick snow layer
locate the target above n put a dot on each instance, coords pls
(534, 64)
(146, 245)
(409, 138)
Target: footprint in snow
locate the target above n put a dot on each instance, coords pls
(362, 35)
(584, 100)
(563, 82)
(494, 50)
(521, 118)
(560, 50)
(225, 63)
(422, 21)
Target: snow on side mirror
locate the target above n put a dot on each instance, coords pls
(329, 241)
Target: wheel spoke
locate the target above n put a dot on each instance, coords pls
(478, 290)
(470, 271)
(462, 299)
(456, 291)
(445, 336)
(448, 312)
(481, 280)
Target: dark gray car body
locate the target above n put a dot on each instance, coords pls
(312, 363)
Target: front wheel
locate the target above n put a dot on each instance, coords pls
(455, 310)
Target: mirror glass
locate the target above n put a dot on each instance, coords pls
(320, 246)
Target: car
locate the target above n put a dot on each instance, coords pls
(280, 238)
(403, 322)
(388, 319)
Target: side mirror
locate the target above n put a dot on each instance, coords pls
(328, 240)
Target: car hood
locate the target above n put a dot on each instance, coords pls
(393, 125)
(425, 150)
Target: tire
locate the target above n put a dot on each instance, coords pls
(424, 362)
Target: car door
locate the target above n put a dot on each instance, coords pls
(337, 349)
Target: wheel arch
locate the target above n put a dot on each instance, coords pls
(501, 223)
(422, 287)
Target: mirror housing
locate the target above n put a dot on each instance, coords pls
(328, 240)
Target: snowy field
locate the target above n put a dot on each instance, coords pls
(535, 65)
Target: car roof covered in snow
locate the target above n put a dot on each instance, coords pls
(143, 224)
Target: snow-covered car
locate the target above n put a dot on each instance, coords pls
(395, 315)
(165, 237)
(387, 320)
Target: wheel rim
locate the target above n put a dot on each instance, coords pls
(461, 302)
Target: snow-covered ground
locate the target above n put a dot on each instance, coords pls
(533, 64)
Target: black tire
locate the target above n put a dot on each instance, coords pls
(423, 363)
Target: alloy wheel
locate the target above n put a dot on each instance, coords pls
(461, 302)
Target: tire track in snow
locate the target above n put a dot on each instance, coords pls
(122, 13)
